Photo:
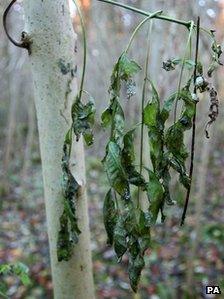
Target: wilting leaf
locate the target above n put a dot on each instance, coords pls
(110, 215)
(128, 152)
(155, 194)
(189, 106)
(123, 70)
(128, 158)
(167, 107)
(156, 147)
(213, 109)
(179, 166)
(83, 119)
(174, 140)
(69, 230)
(152, 119)
(166, 182)
(115, 171)
(118, 123)
(136, 265)
(120, 234)
(129, 218)
(64, 246)
(217, 52)
(171, 64)
(145, 222)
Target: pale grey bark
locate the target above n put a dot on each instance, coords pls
(52, 62)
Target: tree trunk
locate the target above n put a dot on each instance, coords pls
(52, 58)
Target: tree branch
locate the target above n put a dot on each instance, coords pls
(145, 13)
(25, 42)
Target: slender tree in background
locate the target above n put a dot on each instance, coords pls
(52, 58)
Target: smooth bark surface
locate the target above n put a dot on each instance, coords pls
(52, 58)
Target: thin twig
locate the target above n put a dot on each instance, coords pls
(194, 127)
(143, 104)
(182, 70)
(84, 48)
(145, 13)
(24, 44)
(139, 26)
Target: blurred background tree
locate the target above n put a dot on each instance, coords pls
(182, 260)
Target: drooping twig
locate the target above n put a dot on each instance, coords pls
(25, 42)
(139, 26)
(193, 128)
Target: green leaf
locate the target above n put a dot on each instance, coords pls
(19, 269)
(5, 268)
(115, 171)
(22, 272)
(155, 194)
(150, 114)
(106, 117)
(110, 215)
(127, 67)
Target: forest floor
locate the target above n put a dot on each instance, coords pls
(23, 237)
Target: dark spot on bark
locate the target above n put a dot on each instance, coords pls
(64, 67)
(63, 9)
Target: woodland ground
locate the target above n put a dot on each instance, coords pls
(23, 237)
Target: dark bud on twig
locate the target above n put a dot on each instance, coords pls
(169, 65)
